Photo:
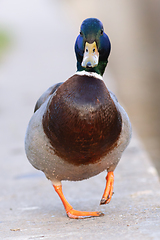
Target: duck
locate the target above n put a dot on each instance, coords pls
(78, 128)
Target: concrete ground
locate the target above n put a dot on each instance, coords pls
(29, 207)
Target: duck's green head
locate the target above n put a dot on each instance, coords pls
(92, 47)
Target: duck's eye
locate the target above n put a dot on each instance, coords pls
(101, 31)
(94, 50)
(80, 33)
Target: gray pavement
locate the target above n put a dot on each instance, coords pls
(29, 207)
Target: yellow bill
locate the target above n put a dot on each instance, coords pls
(90, 56)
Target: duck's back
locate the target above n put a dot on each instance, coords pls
(82, 122)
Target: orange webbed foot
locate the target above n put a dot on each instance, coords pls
(82, 214)
(108, 192)
(72, 213)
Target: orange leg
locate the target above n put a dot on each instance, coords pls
(108, 192)
(71, 213)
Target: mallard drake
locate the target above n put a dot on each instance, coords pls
(78, 128)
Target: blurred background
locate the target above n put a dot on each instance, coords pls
(30, 61)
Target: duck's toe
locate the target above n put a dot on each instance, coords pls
(83, 214)
(108, 192)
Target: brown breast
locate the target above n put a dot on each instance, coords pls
(82, 122)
